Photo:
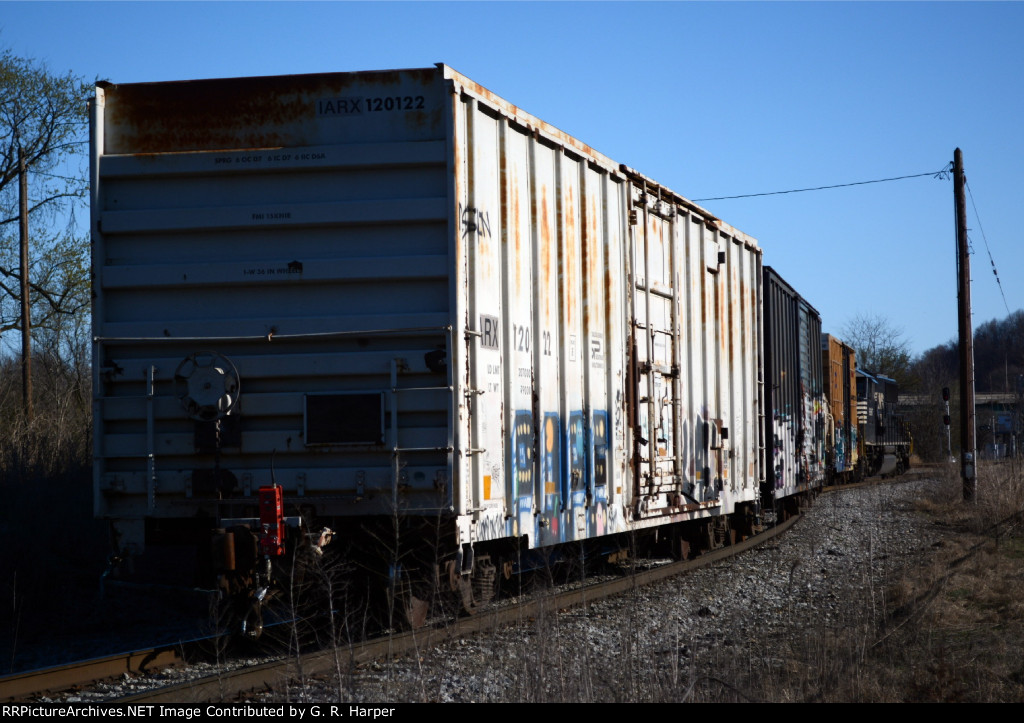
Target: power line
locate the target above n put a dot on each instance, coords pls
(995, 272)
(934, 174)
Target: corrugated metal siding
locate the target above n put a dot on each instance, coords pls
(795, 429)
(297, 263)
(560, 347)
(546, 272)
(695, 344)
(839, 362)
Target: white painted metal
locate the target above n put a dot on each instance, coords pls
(434, 301)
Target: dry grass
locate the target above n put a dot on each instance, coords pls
(962, 641)
(954, 626)
(942, 620)
(953, 623)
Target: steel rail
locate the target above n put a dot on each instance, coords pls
(23, 686)
(227, 687)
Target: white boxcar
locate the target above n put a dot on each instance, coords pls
(397, 292)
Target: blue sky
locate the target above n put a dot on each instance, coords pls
(710, 99)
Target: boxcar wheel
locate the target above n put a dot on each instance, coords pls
(475, 589)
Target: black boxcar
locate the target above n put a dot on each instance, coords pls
(794, 424)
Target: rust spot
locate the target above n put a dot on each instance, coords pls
(525, 119)
(233, 113)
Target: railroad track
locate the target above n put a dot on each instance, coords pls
(34, 683)
(230, 685)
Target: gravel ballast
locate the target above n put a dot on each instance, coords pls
(721, 632)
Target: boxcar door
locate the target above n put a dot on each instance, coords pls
(654, 372)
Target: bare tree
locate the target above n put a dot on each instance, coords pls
(43, 139)
(881, 347)
(43, 119)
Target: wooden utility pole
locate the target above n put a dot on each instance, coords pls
(968, 440)
(26, 320)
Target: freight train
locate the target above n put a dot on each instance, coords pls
(394, 316)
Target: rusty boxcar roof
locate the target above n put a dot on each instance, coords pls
(269, 112)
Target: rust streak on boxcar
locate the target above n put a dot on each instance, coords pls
(609, 289)
(722, 292)
(503, 184)
(702, 267)
(545, 252)
(595, 260)
(585, 261)
(741, 294)
(517, 232)
(534, 212)
(569, 261)
(732, 315)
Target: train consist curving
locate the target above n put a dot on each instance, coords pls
(393, 312)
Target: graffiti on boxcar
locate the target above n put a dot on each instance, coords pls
(600, 519)
(599, 515)
(579, 516)
(492, 525)
(474, 220)
(839, 448)
(811, 436)
(522, 453)
(783, 446)
(551, 459)
(577, 451)
(600, 449)
(695, 439)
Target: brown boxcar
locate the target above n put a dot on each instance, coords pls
(840, 367)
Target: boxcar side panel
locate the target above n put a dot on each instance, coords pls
(839, 362)
(795, 425)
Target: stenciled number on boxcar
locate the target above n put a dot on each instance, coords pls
(372, 104)
(547, 343)
(407, 102)
(521, 338)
